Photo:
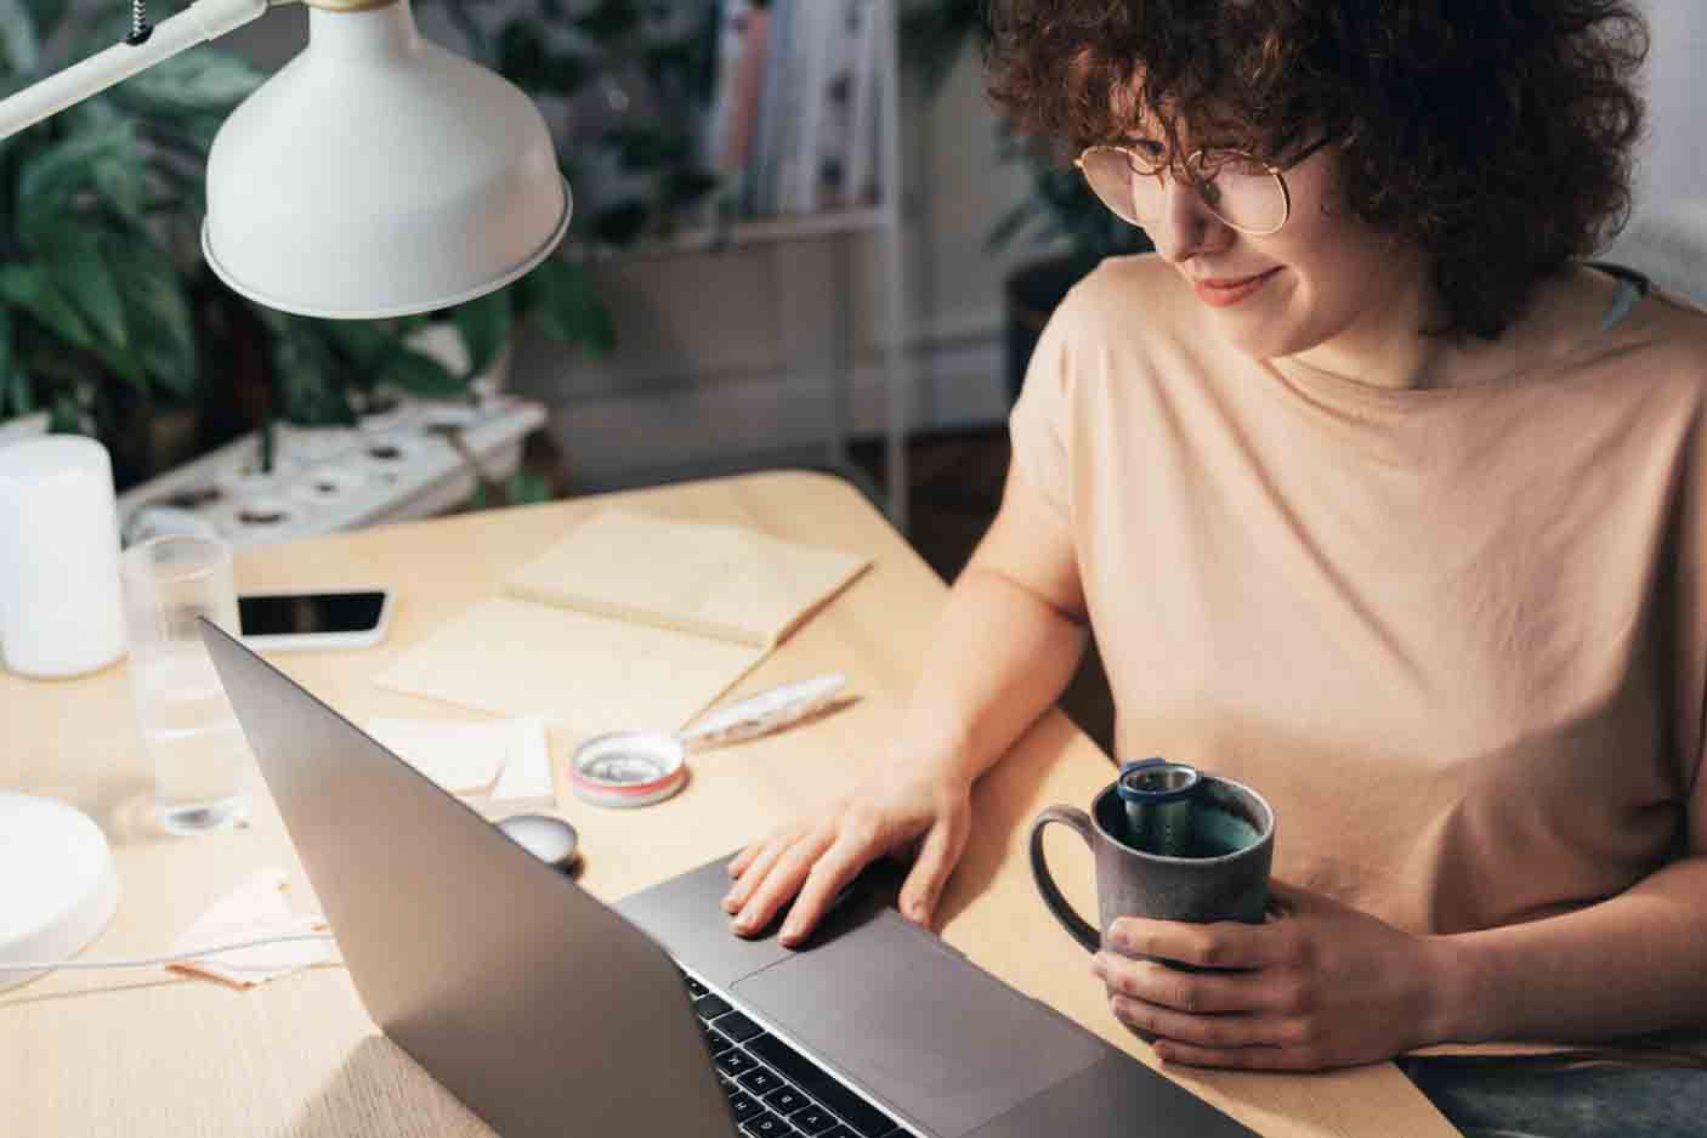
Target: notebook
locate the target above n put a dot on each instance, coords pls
(629, 621)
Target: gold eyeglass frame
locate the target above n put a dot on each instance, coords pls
(1135, 163)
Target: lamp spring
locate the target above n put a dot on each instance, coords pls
(140, 28)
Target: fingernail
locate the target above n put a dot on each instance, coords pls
(918, 911)
(730, 905)
(789, 936)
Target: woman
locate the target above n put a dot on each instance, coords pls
(1377, 498)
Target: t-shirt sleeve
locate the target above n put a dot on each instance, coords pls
(1039, 427)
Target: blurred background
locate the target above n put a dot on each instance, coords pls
(801, 238)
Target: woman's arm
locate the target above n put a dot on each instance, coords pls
(1633, 963)
(1326, 985)
(1006, 645)
(1009, 640)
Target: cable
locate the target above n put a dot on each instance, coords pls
(171, 958)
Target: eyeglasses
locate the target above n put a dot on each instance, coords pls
(1245, 192)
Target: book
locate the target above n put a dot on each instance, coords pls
(749, 85)
(627, 621)
(818, 30)
(730, 24)
(772, 121)
(724, 582)
(861, 169)
(836, 96)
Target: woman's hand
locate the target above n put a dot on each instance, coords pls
(1322, 985)
(816, 857)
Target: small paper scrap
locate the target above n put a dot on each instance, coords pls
(254, 910)
(506, 760)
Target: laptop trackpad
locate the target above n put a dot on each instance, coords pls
(896, 1011)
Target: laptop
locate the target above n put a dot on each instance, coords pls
(549, 1013)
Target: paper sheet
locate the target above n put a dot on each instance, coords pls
(463, 758)
(589, 674)
(254, 910)
(525, 779)
(506, 760)
(719, 581)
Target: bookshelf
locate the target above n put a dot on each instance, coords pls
(877, 218)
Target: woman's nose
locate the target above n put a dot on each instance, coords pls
(1184, 227)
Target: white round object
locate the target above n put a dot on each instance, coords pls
(378, 174)
(61, 612)
(58, 888)
(628, 768)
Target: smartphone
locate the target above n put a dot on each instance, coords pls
(278, 622)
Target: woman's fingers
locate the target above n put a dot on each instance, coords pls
(1206, 1032)
(839, 865)
(1198, 993)
(764, 855)
(783, 880)
(936, 861)
(739, 863)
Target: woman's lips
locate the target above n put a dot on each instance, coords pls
(1223, 292)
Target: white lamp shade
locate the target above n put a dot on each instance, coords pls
(378, 174)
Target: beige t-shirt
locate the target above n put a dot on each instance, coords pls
(1457, 637)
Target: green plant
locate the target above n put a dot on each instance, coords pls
(98, 213)
(329, 371)
(624, 81)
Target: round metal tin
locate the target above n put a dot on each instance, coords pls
(628, 769)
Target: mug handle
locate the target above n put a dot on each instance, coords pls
(1079, 822)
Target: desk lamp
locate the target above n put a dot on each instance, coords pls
(375, 175)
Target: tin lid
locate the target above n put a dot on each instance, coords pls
(1155, 781)
(631, 768)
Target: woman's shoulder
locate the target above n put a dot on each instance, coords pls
(1127, 297)
(1667, 335)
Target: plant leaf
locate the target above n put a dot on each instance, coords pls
(484, 325)
(610, 19)
(562, 301)
(157, 314)
(195, 82)
(366, 345)
(34, 292)
(14, 384)
(73, 259)
(20, 38)
(420, 374)
(50, 179)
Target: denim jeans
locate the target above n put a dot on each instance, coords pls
(1544, 1098)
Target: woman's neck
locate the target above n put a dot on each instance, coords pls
(1388, 349)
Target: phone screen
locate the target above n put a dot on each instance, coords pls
(303, 614)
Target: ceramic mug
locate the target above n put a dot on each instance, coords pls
(1233, 829)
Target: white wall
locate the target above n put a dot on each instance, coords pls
(1673, 163)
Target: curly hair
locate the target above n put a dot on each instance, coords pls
(1494, 135)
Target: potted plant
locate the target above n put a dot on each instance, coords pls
(1061, 208)
(98, 261)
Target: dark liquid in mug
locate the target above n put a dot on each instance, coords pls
(1214, 832)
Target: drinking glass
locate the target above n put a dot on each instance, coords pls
(189, 730)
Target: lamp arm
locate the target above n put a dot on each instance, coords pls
(202, 21)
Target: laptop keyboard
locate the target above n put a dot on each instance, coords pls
(774, 1091)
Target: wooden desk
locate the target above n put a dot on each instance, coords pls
(145, 1053)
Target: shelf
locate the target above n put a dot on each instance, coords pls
(744, 234)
